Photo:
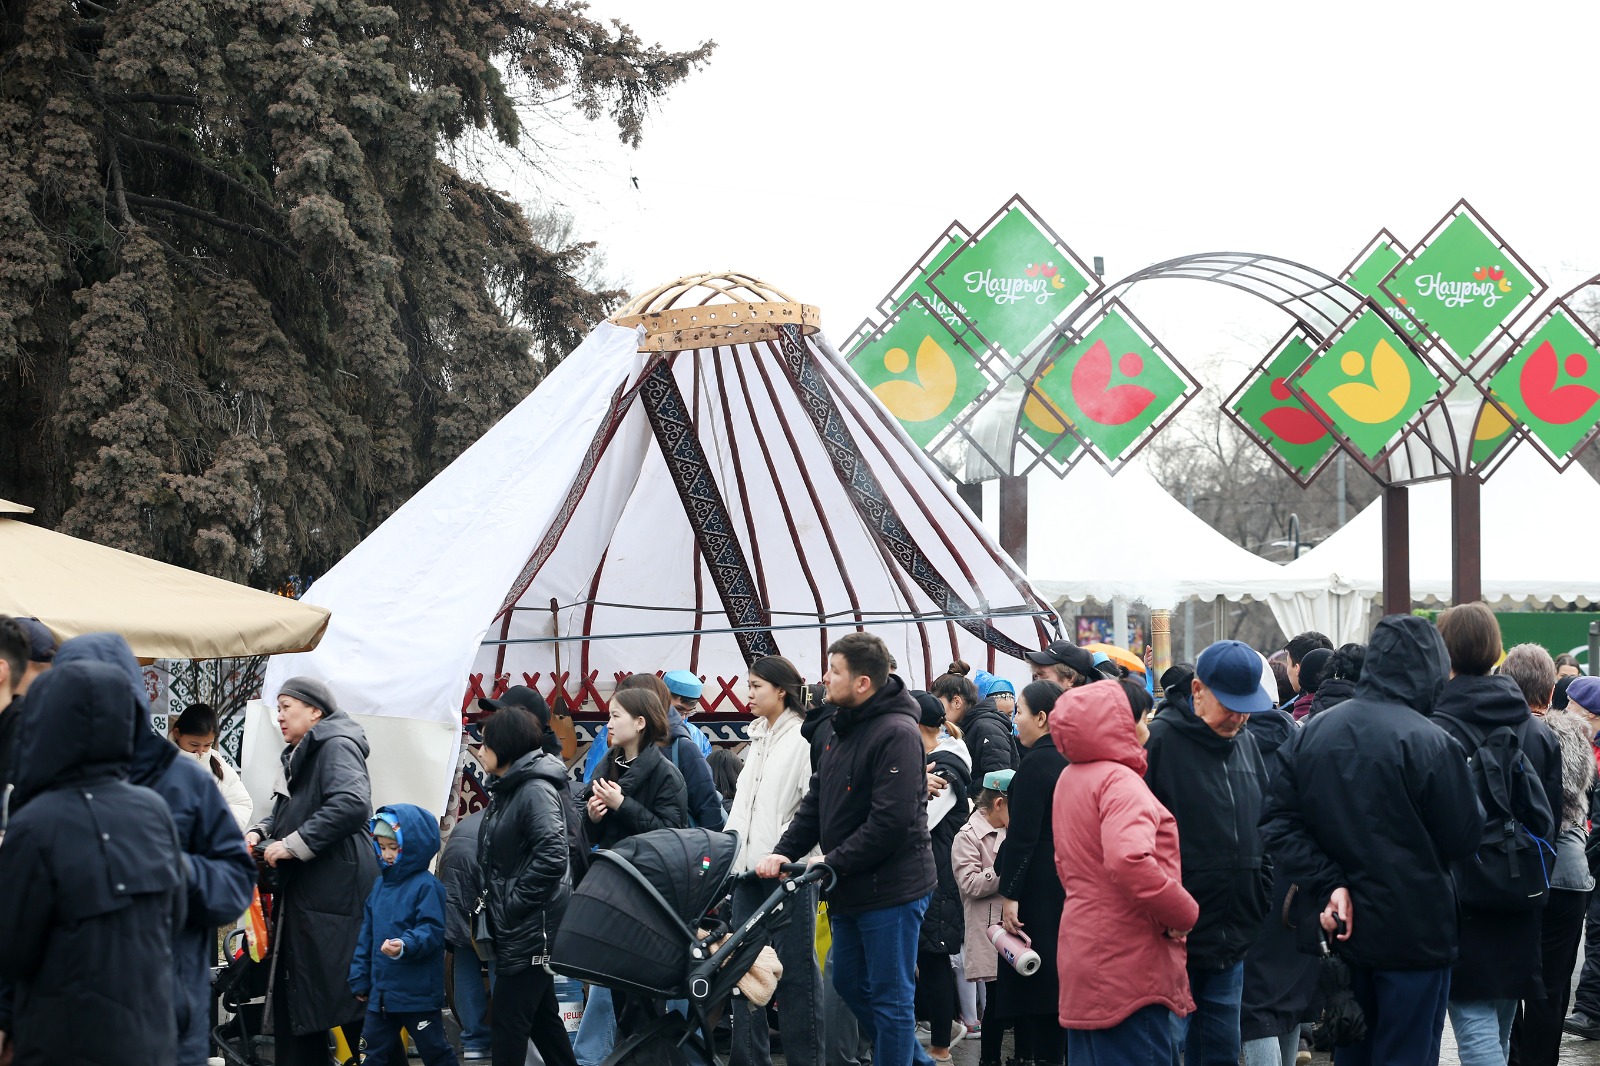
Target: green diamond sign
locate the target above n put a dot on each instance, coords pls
(1551, 383)
(1367, 273)
(919, 369)
(1462, 285)
(915, 283)
(1369, 382)
(1013, 280)
(1114, 384)
(1277, 418)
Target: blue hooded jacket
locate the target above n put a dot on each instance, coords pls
(221, 873)
(406, 903)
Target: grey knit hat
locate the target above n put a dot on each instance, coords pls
(311, 691)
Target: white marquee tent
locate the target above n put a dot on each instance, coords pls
(1536, 548)
(731, 489)
(1092, 535)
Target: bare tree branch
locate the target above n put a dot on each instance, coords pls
(152, 203)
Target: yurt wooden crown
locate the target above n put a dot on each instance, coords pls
(708, 310)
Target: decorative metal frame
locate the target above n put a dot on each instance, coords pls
(1465, 363)
(1249, 430)
(1063, 342)
(926, 263)
(1374, 465)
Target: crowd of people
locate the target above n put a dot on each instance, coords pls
(1107, 876)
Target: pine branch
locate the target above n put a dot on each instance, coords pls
(173, 207)
(154, 98)
(172, 152)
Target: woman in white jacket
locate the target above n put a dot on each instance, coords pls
(776, 775)
(195, 733)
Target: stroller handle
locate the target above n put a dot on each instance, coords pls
(800, 873)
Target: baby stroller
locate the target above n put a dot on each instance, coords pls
(632, 926)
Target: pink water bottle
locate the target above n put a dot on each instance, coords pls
(1016, 950)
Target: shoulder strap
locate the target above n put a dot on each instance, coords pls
(1476, 735)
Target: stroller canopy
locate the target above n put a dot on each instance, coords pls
(687, 866)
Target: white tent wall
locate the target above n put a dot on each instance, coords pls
(1092, 535)
(1535, 524)
(412, 601)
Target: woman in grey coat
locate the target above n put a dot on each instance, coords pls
(315, 841)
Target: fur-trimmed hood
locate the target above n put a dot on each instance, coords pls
(1577, 765)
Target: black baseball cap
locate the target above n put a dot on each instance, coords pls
(520, 696)
(1064, 653)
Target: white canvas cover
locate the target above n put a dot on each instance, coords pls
(568, 501)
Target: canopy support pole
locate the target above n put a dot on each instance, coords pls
(1396, 550)
(1219, 618)
(1014, 519)
(1466, 554)
(1160, 645)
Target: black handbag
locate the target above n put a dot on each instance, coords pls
(482, 936)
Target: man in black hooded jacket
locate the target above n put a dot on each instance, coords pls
(1365, 815)
(91, 883)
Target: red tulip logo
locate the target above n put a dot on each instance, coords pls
(1291, 424)
(1557, 405)
(1097, 398)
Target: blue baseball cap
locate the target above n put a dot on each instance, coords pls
(1231, 669)
(683, 683)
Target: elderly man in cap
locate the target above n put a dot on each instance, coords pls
(686, 688)
(1064, 663)
(1205, 768)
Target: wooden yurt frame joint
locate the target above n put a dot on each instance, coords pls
(710, 310)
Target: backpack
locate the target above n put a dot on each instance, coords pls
(1511, 869)
(694, 823)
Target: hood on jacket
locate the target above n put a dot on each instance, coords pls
(535, 764)
(417, 832)
(1095, 724)
(331, 725)
(1406, 663)
(951, 752)
(892, 698)
(1489, 700)
(1332, 692)
(152, 754)
(1272, 730)
(80, 727)
(113, 650)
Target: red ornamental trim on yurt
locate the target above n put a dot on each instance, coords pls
(706, 511)
(566, 692)
(866, 492)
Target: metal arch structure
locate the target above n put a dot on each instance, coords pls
(1318, 303)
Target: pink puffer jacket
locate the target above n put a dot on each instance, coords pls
(972, 858)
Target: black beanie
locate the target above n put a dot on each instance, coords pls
(932, 711)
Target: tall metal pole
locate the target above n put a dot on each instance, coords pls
(1396, 550)
(1160, 644)
(1466, 552)
(1188, 604)
(1342, 459)
(1014, 519)
(972, 496)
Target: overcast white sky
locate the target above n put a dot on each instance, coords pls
(828, 143)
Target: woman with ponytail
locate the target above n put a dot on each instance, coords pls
(776, 775)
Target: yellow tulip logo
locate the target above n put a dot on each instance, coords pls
(931, 392)
(1380, 401)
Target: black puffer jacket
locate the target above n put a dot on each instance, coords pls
(944, 925)
(91, 883)
(463, 881)
(1213, 786)
(220, 870)
(1500, 957)
(654, 796)
(322, 806)
(1375, 798)
(866, 805)
(522, 854)
(990, 743)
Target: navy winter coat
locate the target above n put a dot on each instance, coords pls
(463, 881)
(91, 883)
(705, 804)
(406, 904)
(221, 872)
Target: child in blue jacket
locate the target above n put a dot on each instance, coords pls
(398, 970)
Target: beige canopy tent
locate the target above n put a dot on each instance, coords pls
(166, 612)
